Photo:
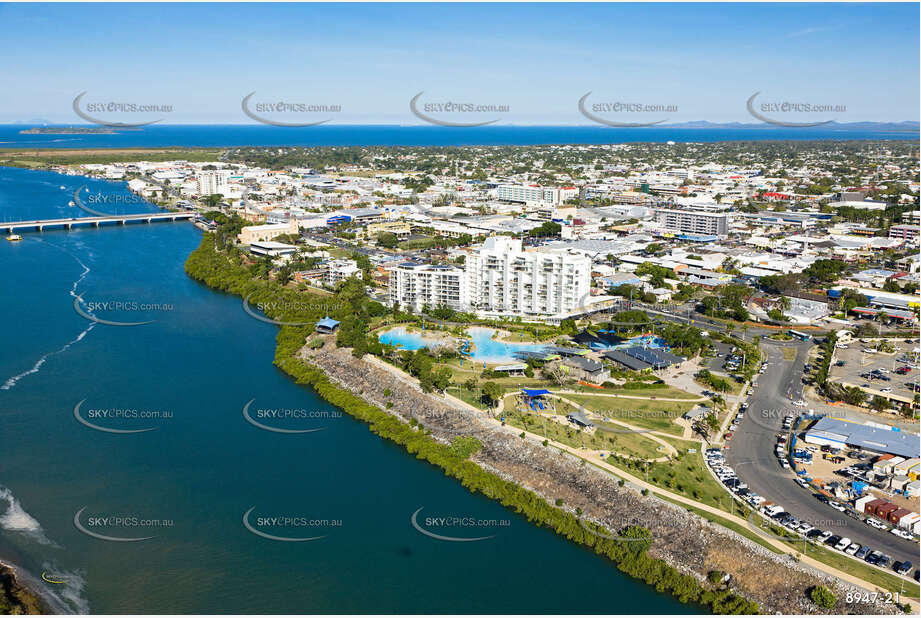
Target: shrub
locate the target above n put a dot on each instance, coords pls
(822, 597)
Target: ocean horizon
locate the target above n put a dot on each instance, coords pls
(367, 135)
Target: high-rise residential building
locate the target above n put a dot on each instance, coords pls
(417, 285)
(529, 194)
(503, 279)
(693, 221)
(212, 181)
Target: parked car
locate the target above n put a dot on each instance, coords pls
(883, 561)
(843, 544)
(852, 549)
(862, 552)
(873, 557)
(902, 568)
(832, 540)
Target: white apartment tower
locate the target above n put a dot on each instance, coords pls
(693, 221)
(503, 279)
(417, 285)
(213, 181)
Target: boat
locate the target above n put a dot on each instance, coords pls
(14, 237)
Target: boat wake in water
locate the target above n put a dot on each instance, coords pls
(11, 382)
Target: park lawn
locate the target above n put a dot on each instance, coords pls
(734, 387)
(626, 444)
(466, 396)
(686, 475)
(644, 413)
(416, 243)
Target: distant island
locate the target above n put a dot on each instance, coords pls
(69, 131)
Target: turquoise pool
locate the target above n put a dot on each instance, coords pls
(485, 348)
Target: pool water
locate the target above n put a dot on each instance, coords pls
(485, 348)
(643, 341)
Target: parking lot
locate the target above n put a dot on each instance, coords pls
(890, 375)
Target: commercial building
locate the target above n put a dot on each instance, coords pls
(504, 280)
(259, 233)
(417, 285)
(271, 248)
(839, 433)
(907, 232)
(693, 221)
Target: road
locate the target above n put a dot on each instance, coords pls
(751, 455)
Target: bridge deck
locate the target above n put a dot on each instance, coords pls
(148, 217)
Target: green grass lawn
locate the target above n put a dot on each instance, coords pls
(656, 390)
(644, 413)
(686, 475)
(628, 444)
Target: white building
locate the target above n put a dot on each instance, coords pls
(693, 221)
(529, 194)
(338, 270)
(212, 182)
(504, 280)
(417, 285)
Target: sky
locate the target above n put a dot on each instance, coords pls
(693, 61)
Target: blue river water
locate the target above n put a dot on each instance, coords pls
(189, 481)
(394, 135)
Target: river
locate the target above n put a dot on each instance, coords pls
(188, 481)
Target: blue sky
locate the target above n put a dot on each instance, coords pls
(538, 59)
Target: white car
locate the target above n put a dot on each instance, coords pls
(773, 510)
(852, 549)
(801, 482)
(837, 506)
(883, 370)
(886, 390)
(905, 534)
(800, 403)
(843, 544)
(784, 464)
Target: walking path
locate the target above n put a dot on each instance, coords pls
(601, 464)
(636, 481)
(646, 398)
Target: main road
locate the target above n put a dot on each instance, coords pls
(751, 455)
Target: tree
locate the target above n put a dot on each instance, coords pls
(492, 393)
(879, 403)
(388, 240)
(547, 228)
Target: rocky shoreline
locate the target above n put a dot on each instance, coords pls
(683, 540)
(16, 599)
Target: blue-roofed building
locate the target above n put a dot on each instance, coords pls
(326, 326)
(839, 433)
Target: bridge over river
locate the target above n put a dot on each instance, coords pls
(41, 224)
